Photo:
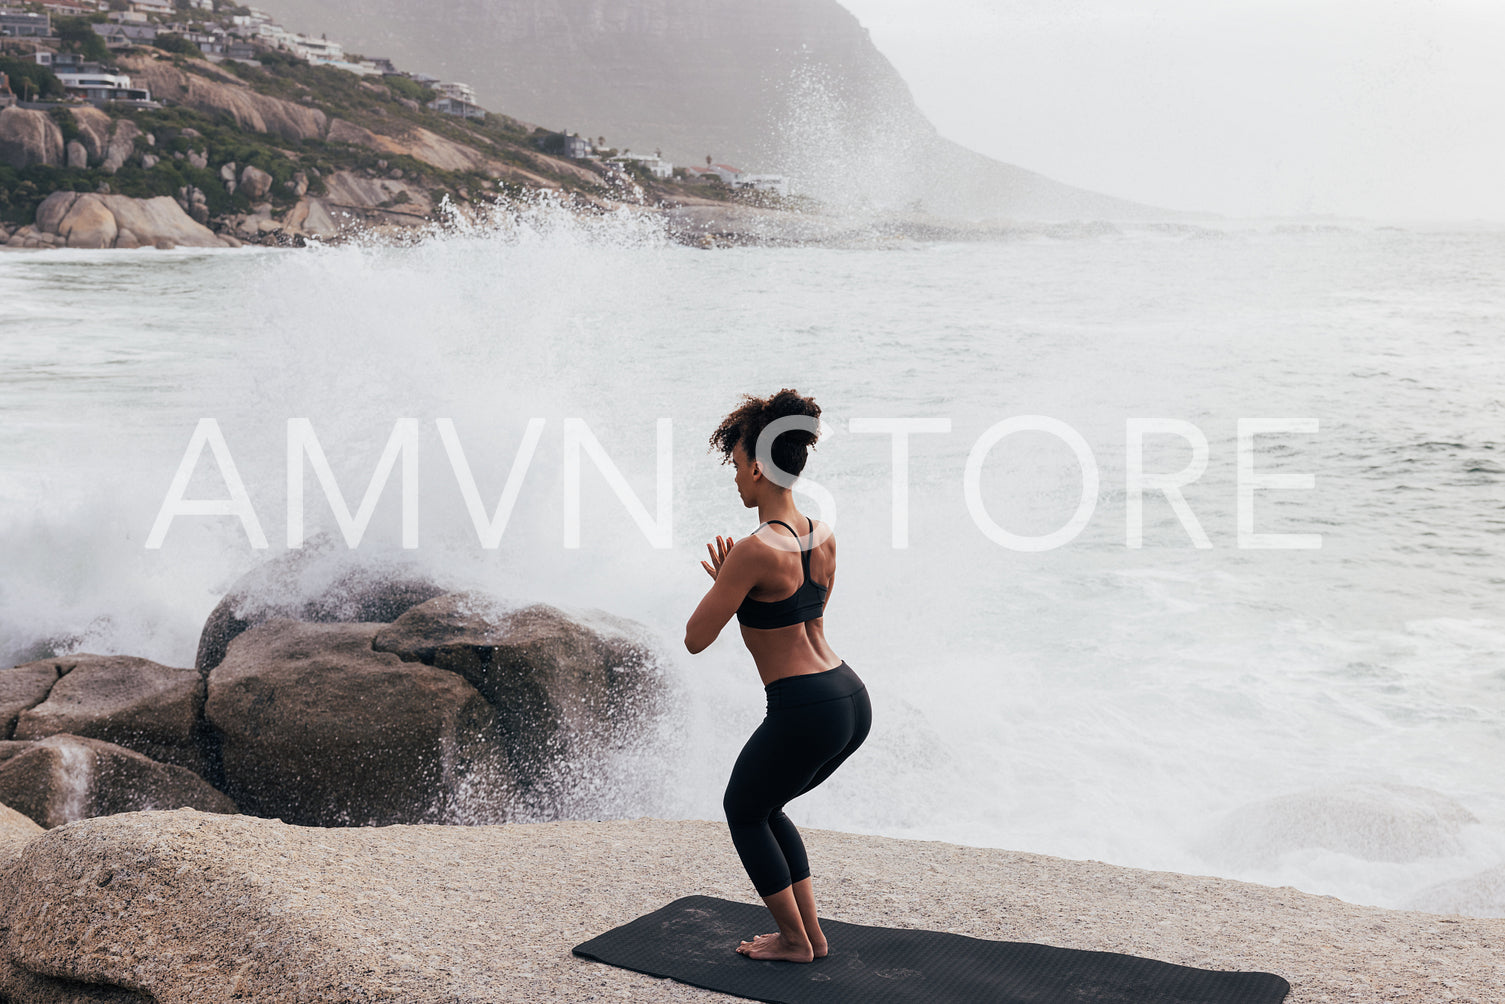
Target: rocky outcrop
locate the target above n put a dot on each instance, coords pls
(93, 129)
(89, 220)
(88, 223)
(567, 689)
(23, 687)
(322, 582)
(443, 707)
(219, 92)
(64, 778)
(309, 217)
(384, 199)
(122, 144)
(136, 703)
(417, 142)
(29, 137)
(318, 729)
(255, 182)
(194, 202)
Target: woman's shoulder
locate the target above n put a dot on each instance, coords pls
(822, 534)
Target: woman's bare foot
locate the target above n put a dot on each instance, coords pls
(774, 946)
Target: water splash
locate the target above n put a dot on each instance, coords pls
(73, 779)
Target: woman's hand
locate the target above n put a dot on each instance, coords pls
(718, 555)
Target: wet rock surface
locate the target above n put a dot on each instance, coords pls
(64, 778)
(142, 705)
(319, 729)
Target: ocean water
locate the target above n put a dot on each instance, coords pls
(1331, 718)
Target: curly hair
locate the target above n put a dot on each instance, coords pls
(789, 449)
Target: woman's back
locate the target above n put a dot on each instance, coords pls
(798, 648)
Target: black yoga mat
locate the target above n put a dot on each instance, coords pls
(694, 940)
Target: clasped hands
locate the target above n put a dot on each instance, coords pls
(718, 555)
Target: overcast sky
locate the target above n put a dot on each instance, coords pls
(1391, 109)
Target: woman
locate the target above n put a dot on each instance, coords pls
(777, 582)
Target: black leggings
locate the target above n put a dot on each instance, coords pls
(814, 722)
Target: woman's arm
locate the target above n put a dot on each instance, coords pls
(736, 571)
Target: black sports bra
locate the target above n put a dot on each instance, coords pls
(805, 604)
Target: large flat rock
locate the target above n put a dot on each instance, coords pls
(189, 907)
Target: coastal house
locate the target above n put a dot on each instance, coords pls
(455, 106)
(101, 88)
(120, 36)
(166, 8)
(210, 38)
(66, 62)
(725, 173)
(242, 51)
(70, 8)
(17, 23)
(656, 165)
(384, 64)
(274, 35)
(245, 25)
(460, 92)
(365, 68)
(127, 17)
(315, 50)
(208, 42)
(576, 147)
(201, 5)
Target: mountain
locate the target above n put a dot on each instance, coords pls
(789, 86)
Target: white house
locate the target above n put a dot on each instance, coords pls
(103, 87)
(454, 106)
(365, 68)
(272, 34)
(163, 7)
(725, 172)
(657, 166)
(315, 50)
(69, 8)
(118, 36)
(460, 92)
(16, 23)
